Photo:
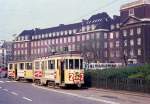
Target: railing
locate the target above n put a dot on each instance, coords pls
(136, 85)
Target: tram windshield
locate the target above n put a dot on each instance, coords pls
(75, 64)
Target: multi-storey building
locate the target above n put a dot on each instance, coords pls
(5, 53)
(123, 38)
(86, 36)
(135, 29)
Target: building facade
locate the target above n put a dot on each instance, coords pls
(121, 39)
(5, 53)
(135, 29)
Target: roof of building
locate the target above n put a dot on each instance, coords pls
(101, 21)
(135, 3)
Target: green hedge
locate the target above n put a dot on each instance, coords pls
(126, 72)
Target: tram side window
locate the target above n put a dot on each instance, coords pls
(42, 65)
(37, 65)
(76, 63)
(10, 66)
(51, 64)
(66, 63)
(70, 63)
(29, 66)
(21, 66)
(81, 63)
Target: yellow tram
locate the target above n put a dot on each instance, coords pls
(60, 70)
(56, 70)
(20, 70)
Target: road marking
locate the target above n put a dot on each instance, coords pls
(1, 81)
(0, 87)
(8, 81)
(5, 90)
(14, 93)
(26, 98)
(79, 96)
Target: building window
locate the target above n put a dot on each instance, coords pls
(139, 41)
(111, 54)
(105, 45)
(124, 33)
(92, 36)
(70, 32)
(93, 26)
(97, 35)
(98, 44)
(87, 37)
(125, 43)
(78, 38)
(50, 35)
(69, 39)
(117, 43)
(66, 32)
(60, 40)
(74, 31)
(132, 42)
(131, 52)
(131, 12)
(26, 45)
(138, 31)
(83, 28)
(131, 32)
(56, 41)
(73, 39)
(111, 35)
(105, 54)
(83, 37)
(15, 46)
(112, 27)
(25, 52)
(117, 34)
(105, 35)
(111, 44)
(88, 27)
(117, 53)
(139, 52)
(65, 40)
(117, 25)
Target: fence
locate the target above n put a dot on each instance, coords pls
(136, 85)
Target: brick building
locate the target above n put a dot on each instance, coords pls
(123, 38)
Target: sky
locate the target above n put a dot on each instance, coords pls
(19, 15)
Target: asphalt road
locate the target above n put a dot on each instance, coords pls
(12, 92)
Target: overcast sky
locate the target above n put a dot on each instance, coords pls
(19, 15)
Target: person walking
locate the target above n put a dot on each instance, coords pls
(0, 71)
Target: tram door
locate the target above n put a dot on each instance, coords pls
(15, 70)
(62, 76)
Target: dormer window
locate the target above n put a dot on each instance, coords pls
(70, 31)
(83, 29)
(131, 12)
(74, 31)
(112, 27)
(93, 27)
(66, 32)
(50, 34)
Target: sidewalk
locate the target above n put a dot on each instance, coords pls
(141, 94)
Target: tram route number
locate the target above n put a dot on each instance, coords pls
(76, 76)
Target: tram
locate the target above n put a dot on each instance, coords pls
(20, 70)
(12, 70)
(56, 70)
(59, 70)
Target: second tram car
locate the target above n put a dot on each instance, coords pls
(59, 70)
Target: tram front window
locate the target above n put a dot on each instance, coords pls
(70, 63)
(76, 63)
